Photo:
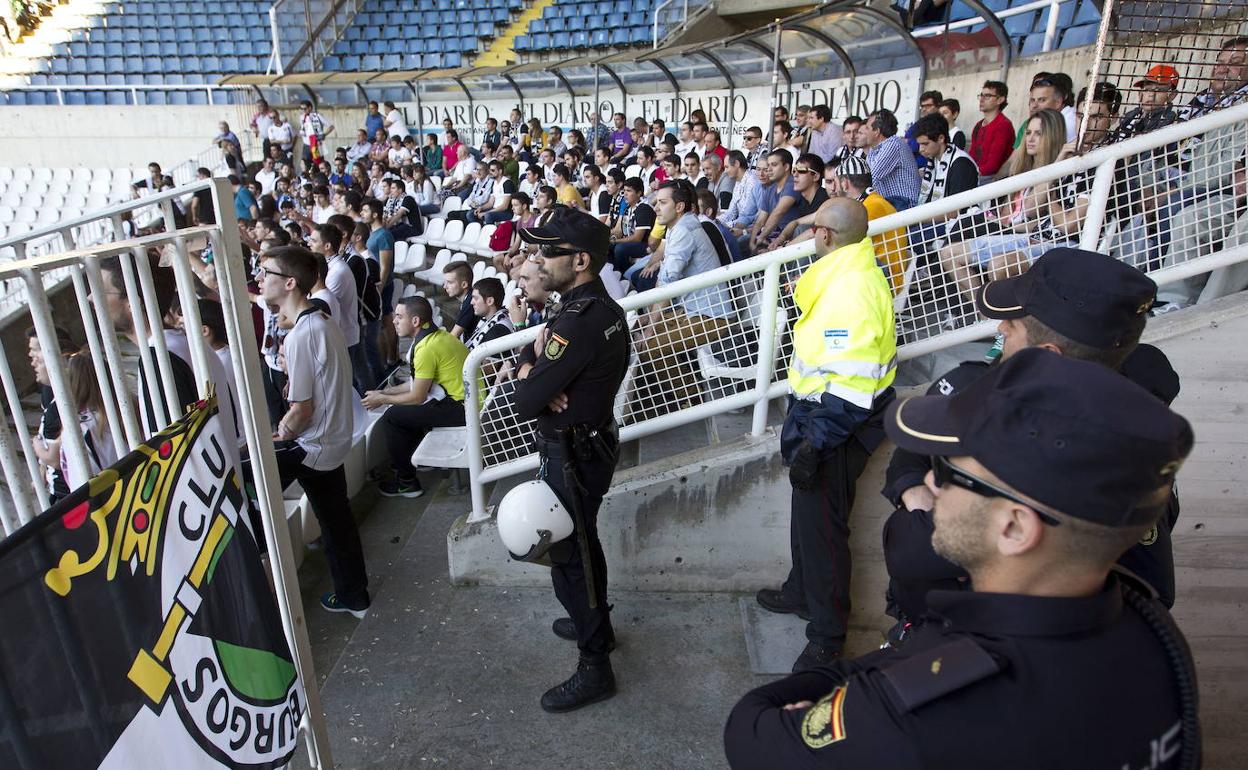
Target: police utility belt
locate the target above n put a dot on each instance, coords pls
(580, 443)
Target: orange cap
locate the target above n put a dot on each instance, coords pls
(1163, 74)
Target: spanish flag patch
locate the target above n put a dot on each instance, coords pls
(555, 347)
(824, 723)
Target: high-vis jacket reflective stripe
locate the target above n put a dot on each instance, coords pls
(845, 341)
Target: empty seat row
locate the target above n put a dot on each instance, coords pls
(154, 65)
(559, 41)
(167, 48)
(120, 97)
(123, 79)
(189, 7)
(391, 62)
(440, 5)
(402, 44)
(412, 31)
(611, 21)
(597, 8)
(446, 18)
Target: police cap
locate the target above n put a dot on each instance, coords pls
(571, 226)
(1073, 435)
(1089, 297)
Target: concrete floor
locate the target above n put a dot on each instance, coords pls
(445, 675)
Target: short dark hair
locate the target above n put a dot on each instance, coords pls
(682, 192)
(616, 174)
(822, 112)
(784, 125)
(1000, 89)
(735, 156)
(851, 121)
(885, 122)
(635, 184)
(203, 172)
(1105, 93)
(344, 223)
(783, 155)
(933, 126)
(419, 308)
(596, 173)
(62, 338)
(707, 200)
(953, 105)
(212, 315)
(693, 155)
(522, 198)
(1038, 333)
(373, 205)
(298, 263)
(811, 161)
(163, 281)
(460, 269)
(548, 191)
(935, 96)
(647, 151)
(560, 170)
(490, 288)
(331, 235)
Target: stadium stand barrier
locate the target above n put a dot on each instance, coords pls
(25, 492)
(668, 387)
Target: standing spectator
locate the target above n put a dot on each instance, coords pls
(457, 283)
(266, 177)
(260, 123)
(314, 130)
(245, 207)
(367, 273)
(314, 436)
(88, 400)
(228, 141)
(381, 246)
(825, 138)
(950, 109)
(432, 398)
(840, 377)
(395, 123)
(202, 212)
(281, 134)
(373, 120)
(326, 242)
(892, 165)
(47, 441)
(993, 136)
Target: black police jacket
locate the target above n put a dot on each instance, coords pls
(907, 534)
(585, 356)
(999, 681)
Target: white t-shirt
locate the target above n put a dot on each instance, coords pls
(1072, 130)
(398, 157)
(684, 148)
(227, 363)
(331, 302)
(283, 135)
(397, 127)
(319, 370)
(321, 215)
(267, 181)
(341, 283)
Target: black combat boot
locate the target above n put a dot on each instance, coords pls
(591, 683)
(780, 603)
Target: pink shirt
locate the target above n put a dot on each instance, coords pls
(450, 155)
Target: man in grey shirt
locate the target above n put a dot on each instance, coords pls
(697, 318)
(313, 438)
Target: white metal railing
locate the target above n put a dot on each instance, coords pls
(25, 494)
(499, 443)
(1050, 30)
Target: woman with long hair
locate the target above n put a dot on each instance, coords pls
(420, 187)
(88, 400)
(1011, 235)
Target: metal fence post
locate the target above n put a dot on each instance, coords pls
(766, 346)
(472, 414)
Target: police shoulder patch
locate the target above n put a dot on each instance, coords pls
(579, 305)
(824, 723)
(938, 671)
(555, 347)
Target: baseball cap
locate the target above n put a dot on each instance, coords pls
(571, 226)
(1162, 74)
(1073, 435)
(1087, 296)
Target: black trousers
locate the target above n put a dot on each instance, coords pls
(819, 541)
(405, 426)
(340, 539)
(593, 625)
(274, 386)
(914, 568)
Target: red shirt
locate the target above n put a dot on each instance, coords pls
(450, 155)
(992, 144)
(720, 151)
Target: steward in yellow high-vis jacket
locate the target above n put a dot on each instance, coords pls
(841, 376)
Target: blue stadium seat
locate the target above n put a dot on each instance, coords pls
(541, 42)
(152, 64)
(1020, 24)
(210, 63)
(96, 64)
(154, 97)
(351, 63)
(641, 35)
(154, 79)
(370, 63)
(114, 64)
(1077, 36)
(522, 43)
(560, 41)
(168, 49)
(96, 79)
(537, 26)
(96, 98)
(619, 35)
(332, 62)
(75, 97)
(396, 46)
(116, 97)
(177, 97)
(183, 35)
(600, 38)
(116, 79)
(123, 49)
(1033, 43)
(149, 49)
(580, 39)
(433, 61)
(411, 61)
(452, 60)
(229, 64)
(196, 97)
(359, 47)
(391, 62)
(435, 45)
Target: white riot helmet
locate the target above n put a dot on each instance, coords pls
(531, 519)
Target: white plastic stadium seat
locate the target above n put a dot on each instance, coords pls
(65, 174)
(27, 214)
(7, 214)
(96, 201)
(482, 246)
(59, 186)
(433, 231)
(12, 199)
(443, 448)
(53, 200)
(24, 174)
(712, 368)
(97, 185)
(478, 271)
(76, 200)
(82, 172)
(451, 235)
(434, 273)
(452, 203)
(400, 253)
(43, 174)
(6, 175)
(468, 240)
(413, 259)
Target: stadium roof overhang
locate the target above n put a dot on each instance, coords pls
(839, 39)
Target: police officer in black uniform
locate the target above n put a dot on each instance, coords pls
(568, 381)
(1083, 305)
(1045, 470)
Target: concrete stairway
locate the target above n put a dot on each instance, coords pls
(501, 50)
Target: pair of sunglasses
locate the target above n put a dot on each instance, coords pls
(945, 472)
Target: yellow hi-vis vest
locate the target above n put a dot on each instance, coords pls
(845, 342)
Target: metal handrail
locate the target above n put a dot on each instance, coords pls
(1103, 160)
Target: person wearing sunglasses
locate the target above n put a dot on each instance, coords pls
(567, 381)
(1086, 306)
(1046, 470)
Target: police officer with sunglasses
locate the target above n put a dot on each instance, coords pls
(567, 380)
(1045, 470)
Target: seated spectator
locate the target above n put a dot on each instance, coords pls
(1156, 92)
(507, 260)
(629, 239)
(397, 155)
(691, 169)
(685, 142)
(431, 156)
(511, 166)
(432, 398)
(992, 138)
(359, 150)
(1009, 237)
(712, 145)
(380, 149)
(950, 110)
(565, 192)
(463, 177)
(492, 319)
(457, 283)
(722, 239)
(554, 140)
(893, 170)
(949, 171)
(755, 147)
(418, 185)
(740, 212)
(647, 167)
(378, 181)
(477, 196)
(670, 169)
(774, 201)
(810, 196)
(527, 307)
(782, 134)
(598, 200)
(671, 329)
(454, 152)
(620, 140)
(824, 138)
(715, 180)
(401, 215)
(1209, 224)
